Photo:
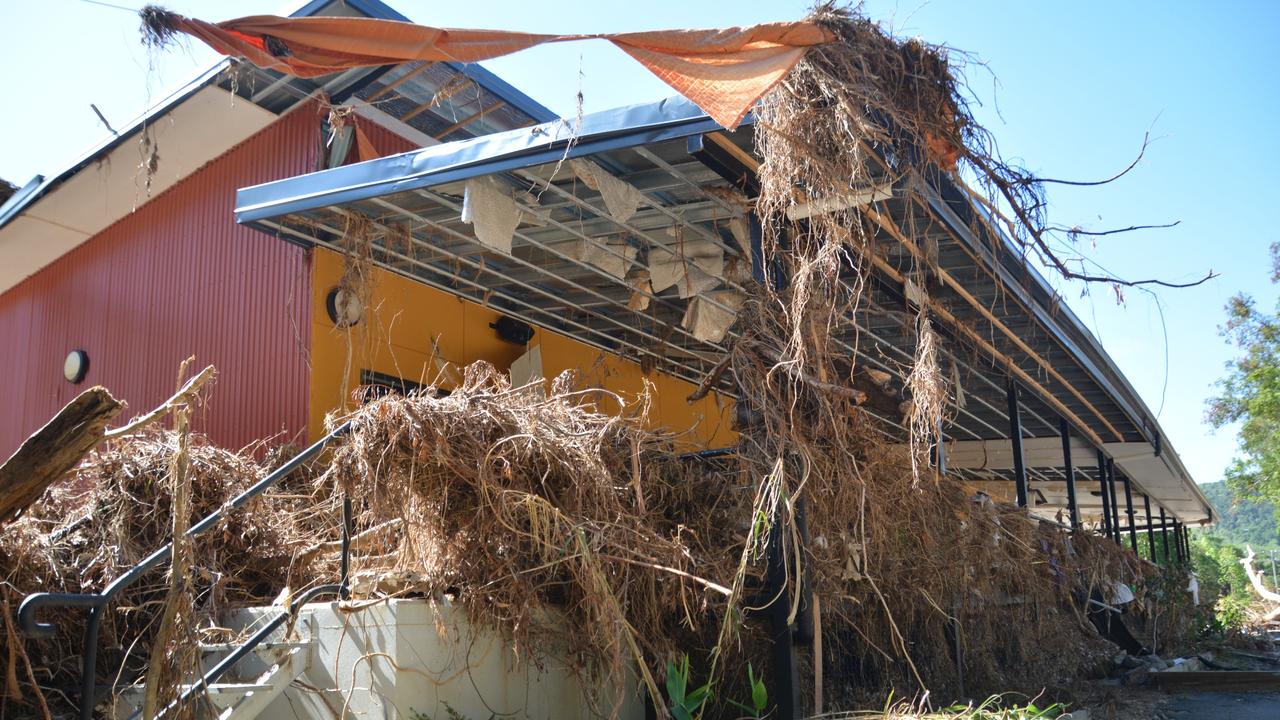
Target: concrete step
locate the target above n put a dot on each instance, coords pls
(237, 700)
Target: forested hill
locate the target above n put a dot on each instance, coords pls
(1252, 523)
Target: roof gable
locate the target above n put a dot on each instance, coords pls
(208, 115)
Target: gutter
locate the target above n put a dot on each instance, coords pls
(463, 159)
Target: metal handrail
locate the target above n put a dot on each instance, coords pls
(97, 602)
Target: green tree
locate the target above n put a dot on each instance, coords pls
(1250, 394)
(1242, 521)
(1223, 583)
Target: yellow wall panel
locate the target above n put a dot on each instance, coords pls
(404, 318)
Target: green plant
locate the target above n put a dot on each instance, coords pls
(992, 709)
(1249, 396)
(1223, 583)
(759, 695)
(683, 703)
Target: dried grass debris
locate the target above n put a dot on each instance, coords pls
(113, 511)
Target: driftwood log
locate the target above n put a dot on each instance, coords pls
(54, 450)
(1255, 578)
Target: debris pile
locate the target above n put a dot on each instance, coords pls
(539, 509)
(114, 511)
(521, 502)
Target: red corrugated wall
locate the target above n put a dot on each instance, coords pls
(176, 278)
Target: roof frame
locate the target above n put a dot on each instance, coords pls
(653, 134)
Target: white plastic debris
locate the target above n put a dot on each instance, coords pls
(1121, 594)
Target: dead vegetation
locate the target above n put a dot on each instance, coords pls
(114, 511)
(522, 505)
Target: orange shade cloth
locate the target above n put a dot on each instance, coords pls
(723, 71)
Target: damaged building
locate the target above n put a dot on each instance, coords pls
(424, 283)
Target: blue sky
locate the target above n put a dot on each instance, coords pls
(1078, 85)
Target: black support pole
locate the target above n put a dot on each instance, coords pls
(1151, 538)
(1015, 434)
(940, 452)
(1186, 543)
(784, 694)
(1128, 503)
(1164, 535)
(1072, 507)
(1177, 541)
(1102, 487)
(1115, 501)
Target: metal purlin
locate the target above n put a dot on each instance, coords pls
(445, 288)
(671, 170)
(605, 344)
(1036, 472)
(445, 202)
(666, 302)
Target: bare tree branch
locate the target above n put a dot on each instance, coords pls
(1137, 283)
(1146, 140)
(1034, 236)
(1099, 233)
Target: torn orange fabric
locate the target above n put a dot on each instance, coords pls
(365, 149)
(723, 71)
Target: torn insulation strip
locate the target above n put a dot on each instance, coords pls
(710, 316)
(621, 198)
(612, 256)
(694, 265)
(488, 207)
(641, 289)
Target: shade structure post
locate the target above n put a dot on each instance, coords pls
(1102, 486)
(1115, 501)
(1186, 541)
(940, 451)
(1151, 538)
(1128, 504)
(784, 693)
(1073, 508)
(1015, 434)
(1164, 535)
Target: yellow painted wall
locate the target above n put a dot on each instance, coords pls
(395, 338)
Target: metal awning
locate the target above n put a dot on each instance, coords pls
(998, 316)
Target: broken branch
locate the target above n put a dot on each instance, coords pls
(1255, 578)
(185, 393)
